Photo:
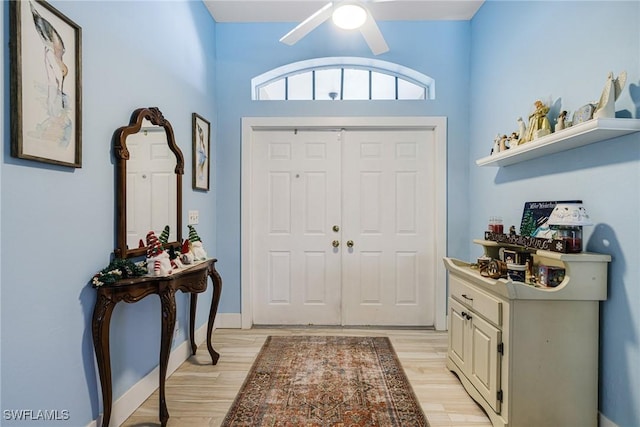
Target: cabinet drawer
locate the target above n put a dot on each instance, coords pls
(482, 303)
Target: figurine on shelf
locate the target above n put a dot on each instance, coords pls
(504, 143)
(538, 122)
(196, 245)
(561, 121)
(612, 89)
(496, 145)
(158, 262)
(522, 130)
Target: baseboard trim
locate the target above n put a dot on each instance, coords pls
(604, 421)
(126, 405)
(228, 321)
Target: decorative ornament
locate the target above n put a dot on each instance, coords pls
(538, 122)
(154, 247)
(186, 256)
(118, 269)
(606, 109)
(196, 245)
(158, 262)
(193, 234)
(164, 236)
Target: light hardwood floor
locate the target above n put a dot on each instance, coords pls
(200, 394)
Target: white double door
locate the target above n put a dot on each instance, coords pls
(343, 227)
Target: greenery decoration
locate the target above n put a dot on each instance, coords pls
(118, 269)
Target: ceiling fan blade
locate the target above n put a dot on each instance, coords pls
(308, 25)
(373, 36)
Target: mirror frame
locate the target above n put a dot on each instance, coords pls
(121, 153)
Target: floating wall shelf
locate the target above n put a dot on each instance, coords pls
(591, 131)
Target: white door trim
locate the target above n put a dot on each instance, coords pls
(253, 124)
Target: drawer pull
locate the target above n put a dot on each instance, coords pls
(466, 297)
(466, 316)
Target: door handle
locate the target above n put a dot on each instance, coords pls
(335, 243)
(349, 243)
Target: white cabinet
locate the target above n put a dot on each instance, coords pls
(527, 355)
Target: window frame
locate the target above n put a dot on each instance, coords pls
(397, 71)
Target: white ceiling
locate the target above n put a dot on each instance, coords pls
(382, 10)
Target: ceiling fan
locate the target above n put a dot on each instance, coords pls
(368, 27)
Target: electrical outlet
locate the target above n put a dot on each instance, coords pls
(194, 216)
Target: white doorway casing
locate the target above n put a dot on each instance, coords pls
(251, 126)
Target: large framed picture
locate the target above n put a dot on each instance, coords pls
(201, 150)
(46, 84)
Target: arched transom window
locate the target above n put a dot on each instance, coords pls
(342, 78)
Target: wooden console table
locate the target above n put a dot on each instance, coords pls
(192, 279)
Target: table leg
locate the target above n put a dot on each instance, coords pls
(168, 302)
(100, 330)
(192, 322)
(215, 300)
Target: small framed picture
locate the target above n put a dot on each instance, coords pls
(201, 150)
(46, 84)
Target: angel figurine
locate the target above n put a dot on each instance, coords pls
(538, 122)
(606, 105)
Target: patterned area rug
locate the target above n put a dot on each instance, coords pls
(316, 381)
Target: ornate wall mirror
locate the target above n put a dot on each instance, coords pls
(149, 169)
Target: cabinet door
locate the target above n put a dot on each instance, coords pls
(457, 334)
(483, 364)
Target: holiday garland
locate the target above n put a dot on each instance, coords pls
(118, 269)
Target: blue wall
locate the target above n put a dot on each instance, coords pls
(58, 229)
(563, 51)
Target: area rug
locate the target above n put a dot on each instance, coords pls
(316, 381)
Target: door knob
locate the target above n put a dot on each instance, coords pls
(335, 228)
(349, 243)
(335, 243)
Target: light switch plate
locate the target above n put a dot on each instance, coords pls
(194, 216)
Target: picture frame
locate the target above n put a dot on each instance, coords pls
(201, 152)
(46, 84)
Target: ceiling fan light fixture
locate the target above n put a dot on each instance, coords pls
(349, 16)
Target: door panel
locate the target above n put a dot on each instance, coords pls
(388, 204)
(296, 271)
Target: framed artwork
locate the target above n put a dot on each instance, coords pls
(201, 150)
(46, 84)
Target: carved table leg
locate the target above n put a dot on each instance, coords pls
(168, 301)
(100, 330)
(192, 322)
(215, 300)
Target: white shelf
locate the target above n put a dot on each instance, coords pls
(591, 131)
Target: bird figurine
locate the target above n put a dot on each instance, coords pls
(606, 108)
